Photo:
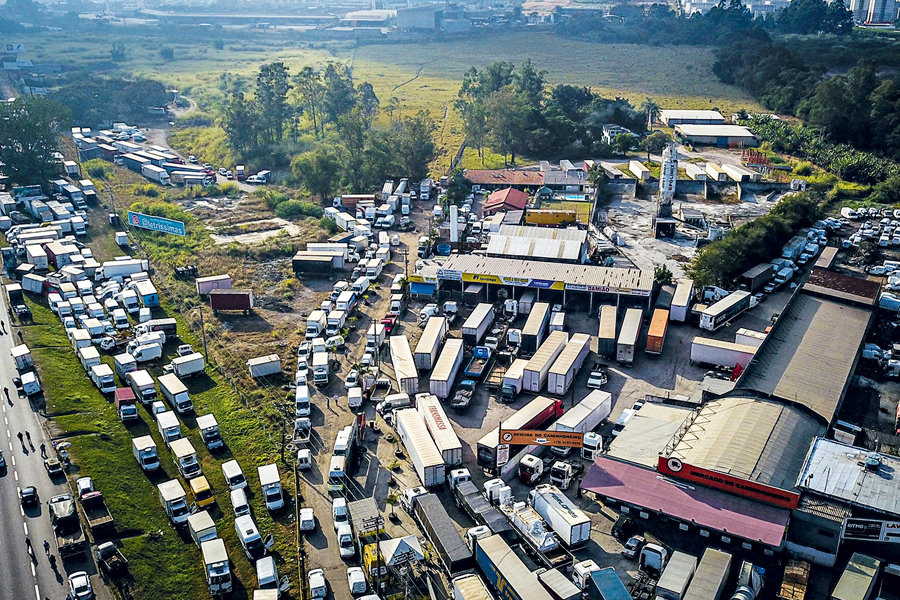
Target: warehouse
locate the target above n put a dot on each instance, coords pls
(671, 118)
(648, 433)
(539, 243)
(725, 136)
(424, 16)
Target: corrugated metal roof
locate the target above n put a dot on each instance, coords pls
(838, 471)
(705, 115)
(810, 354)
(714, 130)
(535, 242)
(568, 234)
(647, 434)
(758, 440)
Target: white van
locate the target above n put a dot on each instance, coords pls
(393, 402)
(266, 574)
(360, 285)
(239, 502)
(302, 407)
(120, 319)
(622, 421)
(248, 536)
(234, 476)
(270, 481)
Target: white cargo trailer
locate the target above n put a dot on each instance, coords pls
(537, 369)
(444, 374)
(440, 428)
(710, 576)
(567, 520)
(584, 417)
(681, 301)
(628, 336)
(430, 343)
(404, 366)
(474, 328)
(263, 366)
(676, 576)
(706, 351)
(423, 452)
(535, 327)
(564, 369)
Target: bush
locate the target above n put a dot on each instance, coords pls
(329, 225)
(296, 208)
(230, 190)
(167, 53)
(145, 189)
(218, 44)
(97, 169)
(804, 169)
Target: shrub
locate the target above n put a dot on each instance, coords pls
(329, 225)
(97, 169)
(296, 208)
(804, 169)
(145, 189)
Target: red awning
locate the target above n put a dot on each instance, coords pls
(705, 507)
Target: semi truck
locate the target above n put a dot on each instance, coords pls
(569, 522)
(705, 351)
(730, 307)
(478, 365)
(566, 366)
(535, 327)
(710, 577)
(656, 335)
(628, 336)
(478, 323)
(513, 380)
(231, 300)
(510, 578)
(444, 374)
(538, 368)
(584, 417)
(440, 428)
(676, 576)
(423, 452)
(70, 538)
(430, 343)
(432, 517)
(491, 455)
(404, 366)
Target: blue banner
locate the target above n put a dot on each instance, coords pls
(156, 223)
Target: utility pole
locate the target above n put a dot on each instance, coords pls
(202, 328)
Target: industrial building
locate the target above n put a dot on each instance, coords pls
(648, 433)
(539, 243)
(671, 118)
(494, 179)
(726, 136)
(424, 16)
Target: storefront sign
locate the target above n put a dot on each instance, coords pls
(476, 278)
(871, 530)
(449, 275)
(720, 481)
(423, 279)
(529, 437)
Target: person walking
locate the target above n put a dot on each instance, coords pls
(43, 450)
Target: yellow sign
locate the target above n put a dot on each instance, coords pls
(475, 278)
(528, 437)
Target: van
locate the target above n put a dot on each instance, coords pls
(120, 319)
(302, 406)
(234, 476)
(248, 536)
(239, 502)
(202, 492)
(266, 574)
(392, 403)
(622, 421)
(360, 285)
(147, 352)
(270, 481)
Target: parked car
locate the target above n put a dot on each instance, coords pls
(307, 519)
(318, 587)
(80, 586)
(28, 495)
(352, 379)
(53, 467)
(192, 159)
(339, 514)
(633, 546)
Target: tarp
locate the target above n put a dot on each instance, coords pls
(422, 289)
(695, 504)
(399, 548)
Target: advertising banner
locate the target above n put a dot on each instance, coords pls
(529, 437)
(156, 223)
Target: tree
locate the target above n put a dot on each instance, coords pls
(238, 120)
(662, 275)
(354, 129)
(623, 142)
(311, 93)
(415, 146)
(457, 188)
(530, 82)
(167, 53)
(29, 135)
(272, 87)
(318, 171)
(340, 96)
(368, 100)
(650, 108)
(655, 143)
(507, 117)
(117, 52)
(475, 125)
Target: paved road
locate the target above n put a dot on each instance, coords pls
(21, 576)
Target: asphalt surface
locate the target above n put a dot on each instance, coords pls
(23, 576)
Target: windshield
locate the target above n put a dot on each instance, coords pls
(272, 494)
(255, 547)
(179, 509)
(526, 468)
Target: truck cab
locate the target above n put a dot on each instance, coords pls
(531, 469)
(218, 570)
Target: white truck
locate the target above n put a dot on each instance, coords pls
(174, 390)
(430, 342)
(141, 382)
(263, 366)
(201, 527)
(217, 567)
(440, 428)
(705, 351)
(474, 327)
(513, 380)
(155, 174)
(404, 366)
(584, 417)
(103, 377)
(187, 365)
(564, 369)
(335, 322)
(174, 501)
(145, 453)
(445, 370)
(120, 268)
(124, 364)
(270, 481)
(423, 452)
(569, 522)
(538, 368)
(89, 356)
(321, 368)
(209, 431)
(374, 337)
(315, 324)
(185, 458)
(22, 357)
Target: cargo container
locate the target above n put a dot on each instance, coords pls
(705, 351)
(584, 417)
(430, 343)
(558, 585)
(567, 521)
(748, 337)
(538, 368)
(214, 282)
(477, 324)
(491, 455)
(604, 584)
(404, 366)
(510, 578)
(726, 309)
(263, 366)
(565, 368)
(656, 335)
(432, 517)
(474, 294)
(676, 576)
(681, 301)
(535, 327)
(231, 299)
(757, 277)
(710, 576)
(423, 453)
(155, 174)
(440, 428)
(628, 336)
(469, 587)
(444, 374)
(606, 339)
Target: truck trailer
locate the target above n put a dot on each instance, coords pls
(404, 365)
(710, 576)
(535, 327)
(565, 368)
(584, 417)
(569, 522)
(440, 428)
(681, 301)
(474, 328)
(538, 368)
(628, 336)
(423, 452)
(432, 517)
(510, 578)
(430, 343)
(726, 309)
(444, 374)
(491, 455)
(606, 337)
(705, 351)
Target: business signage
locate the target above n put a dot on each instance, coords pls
(542, 284)
(422, 279)
(530, 437)
(871, 530)
(14, 47)
(502, 454)
(449, 274)
(476, 278)
(728, 483)
(156, 223)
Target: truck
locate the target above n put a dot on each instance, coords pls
(757, 277)
(605, 584)
(472, 502)
(440, 428)
(538, 368)
(374, 337)
(656, 335)
(156, 174)
(479, 363)
(209, 431)
(186, 366)
(676, 576)
(430, 343)
(725, 310)
(705, 351)
(264, 366)
(201, 527)
(463, 395)
(501, 363)
(404, 366)
(423, 452)
(335, 321)
(445, 370)
(468, 587)
(168, 426)
(509, 577)
(681, 301)
(231, 300)
(217, 566)
(174, 390)
(103, 378)
(21, 356)
(70, 538)
(316, 324)
(569, 522)
(112, 562)
(168, 326)
(566, 366)
(584, 417)
(185, 458)
(513, 379)
(478, 323)
(535, 327)
(92, 504)
(628, 336)
(144, 449)
(121, 268)
(451, 550)
(143, 386)
(347, 301)
(174, 501)
(781, 277)
(491, 455)
(794, 248)
(126, 404)
(710, 577)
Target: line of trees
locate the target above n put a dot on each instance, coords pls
(94, 100)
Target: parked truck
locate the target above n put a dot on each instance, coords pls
(445, 370)
(535, 327)
(103, 378)
(126, 404)
(628, 336)
(538, 368)
(217, 567)
(440, 428)
(469, 587)
(70, 538)
(201, 527)
(584, 417)
(430, 343)
(121, 269)
(231, 300)
(478, 365)
(423, 452)
(656, 335)
(94, 507)
(605, 584)
(705, 351)
(22, 358)
(111, 561)
(513, 380)
(174, 501)
(174, 390)
(316, 324)
(569, 522)
(209, 431)
(566, 366)
(676, 576)
(144, 449)
(404, 366)
(709, 579)
(725, 310)
(478, 323)
(142, 385)
(188, 365)
(504, 570)
(437, 526)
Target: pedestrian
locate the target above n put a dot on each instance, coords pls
(335, 399)
(19, 435)
(20, 336)
(47, 547)
(43, 450)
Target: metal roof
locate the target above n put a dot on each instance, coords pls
(757, 440)
(543, 233)
(714, 130)
(838, 471)
(647, 434)
(822, 282)
(624, 279)
(806, 358)
(538, 242)
(705, 115)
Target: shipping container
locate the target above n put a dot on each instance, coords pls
(440, 428)
(565, 368)
(606, 339)
(444, 374)
(705, 351)
(404, 366)
(231, 299)
(430, 343)
(451, 549)
(606, 585)
(538, 368)
(535, 415)
(681, 301)
(423, 453)
(474, 328)
(628, 336)
(214, 282)
(571, 525)
(656, 335)
(710, 576)
(510, 578)
(535, 327)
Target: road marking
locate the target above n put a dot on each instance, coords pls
(13, 461)
(21, 510)
(25, 526)
(37, 592)
(33, 572)
(16, 473)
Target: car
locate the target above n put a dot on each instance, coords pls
(28, 496)
(339, 514)
(623, 528)
(769, 288)
(395, 240)
(229, 175)
(206, 166)
(222, 171)
(318, 587)
(192, 159)
(53, 467)
(638, 405)
(346, 545)
(356, 579)
(307, 519)
(334, 342)
(80, 586)
(633, 546)
(352, 379)
(368, 360)
(2, 460)
(253, 179)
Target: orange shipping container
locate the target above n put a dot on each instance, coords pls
(656, 336)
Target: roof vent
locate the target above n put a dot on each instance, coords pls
(873, 461)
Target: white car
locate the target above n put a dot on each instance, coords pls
(307, 519)
(368, 360)
(395, 240)
(352, 379)
(356, 579)
(80, 586)
(192, 159)
(345, 541)
(318, 587)
(339, 513)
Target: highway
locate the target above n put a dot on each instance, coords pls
(22, 576)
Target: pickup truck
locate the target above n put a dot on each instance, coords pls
(70, 538)
(463, 394)
(93, 505)
(112, 563)
(481, 359)
(494, 379)
(598, 377)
